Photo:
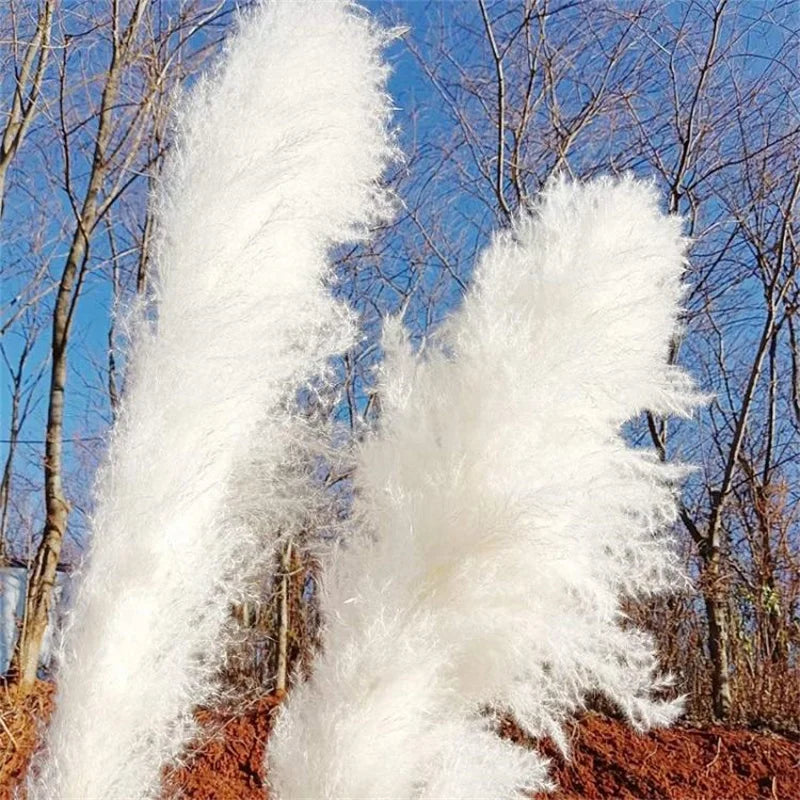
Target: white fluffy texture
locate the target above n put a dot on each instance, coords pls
(379, 719)
(503, 517)
(278, 157)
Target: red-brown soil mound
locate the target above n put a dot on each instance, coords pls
(228, 762)
(609, 759)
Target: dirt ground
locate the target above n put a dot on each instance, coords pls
(229, 764)
(609, 759)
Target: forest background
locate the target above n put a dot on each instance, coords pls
(494, 98)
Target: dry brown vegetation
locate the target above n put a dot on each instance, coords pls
(21, 717)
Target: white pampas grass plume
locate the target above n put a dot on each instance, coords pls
(502, 517)
(277, 159)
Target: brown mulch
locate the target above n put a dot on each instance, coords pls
(609, 761)
(228, 763)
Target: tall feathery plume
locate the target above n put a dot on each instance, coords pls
(277, 158)
(501, 518)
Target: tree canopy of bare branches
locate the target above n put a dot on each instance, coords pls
(495, 98)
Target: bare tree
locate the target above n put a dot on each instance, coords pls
(500, 97)
(28, 62)
(104, 124)
(702, 97)
(23, 385)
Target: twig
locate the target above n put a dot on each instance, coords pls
(10, 735)
(716, 755)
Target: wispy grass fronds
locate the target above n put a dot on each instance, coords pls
(502, 518)
(277, 158)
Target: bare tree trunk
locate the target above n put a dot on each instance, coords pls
(5, 484)
(284, 620)
(718, 639)
(41, 581)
